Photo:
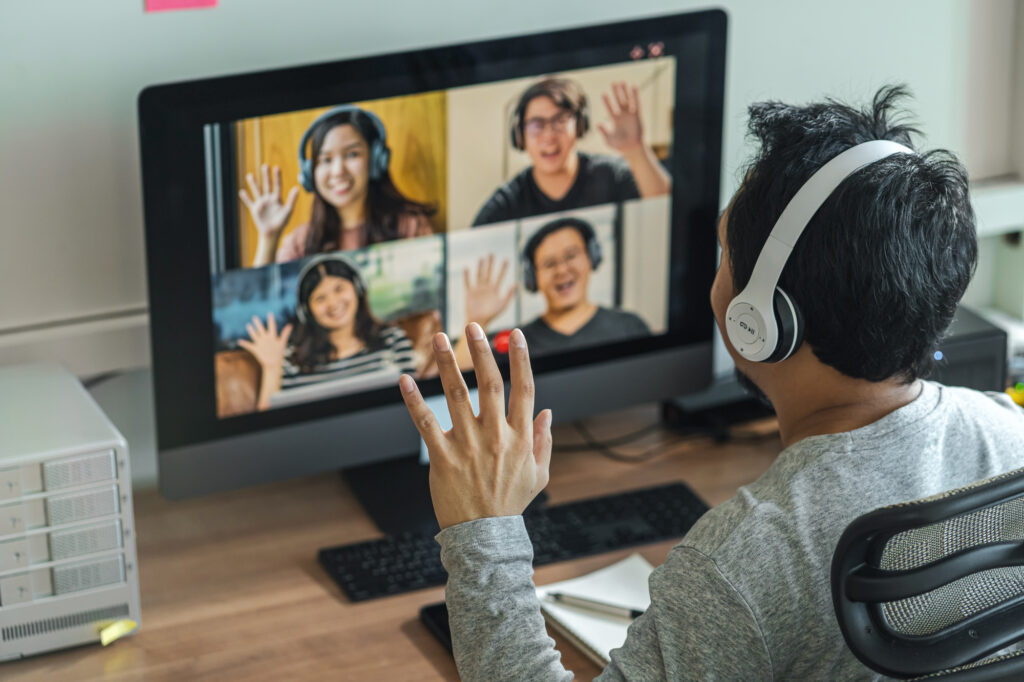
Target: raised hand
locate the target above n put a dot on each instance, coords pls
(268, 347)
(626, 133)
(487, 465)
(484, 299)
(266, 344)
(268, 212)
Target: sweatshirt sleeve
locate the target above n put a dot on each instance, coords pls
(697, 627)
(497, 628)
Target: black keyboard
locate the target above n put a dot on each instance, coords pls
(412, 561)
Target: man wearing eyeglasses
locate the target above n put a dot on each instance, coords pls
(558, 261)
(551, 116)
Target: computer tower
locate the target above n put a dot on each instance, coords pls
(68, 566)
(973, 354)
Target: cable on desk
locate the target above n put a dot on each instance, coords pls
(607, 447)
(611, 453)
(611, 442)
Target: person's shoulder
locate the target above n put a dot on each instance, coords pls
(536, 324)
(414, 222)
(603, 163)
(387, 339)
(613, 172)
(293, 244)
(501, 205)
(724, 523)
(992, 411)
(996, 402)
(392, 334)
(624, 319)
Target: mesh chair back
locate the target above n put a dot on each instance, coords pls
(932, 587)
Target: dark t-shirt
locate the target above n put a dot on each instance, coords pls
(601, 180)
(606, 326)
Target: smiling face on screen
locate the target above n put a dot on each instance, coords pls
(341, 171)
(563, 269)
(334, 303)
(549, 135)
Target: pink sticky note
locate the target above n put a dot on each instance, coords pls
(164, 5)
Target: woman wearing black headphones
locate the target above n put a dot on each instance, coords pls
(549, 119)
(355, 201)
(337, 336)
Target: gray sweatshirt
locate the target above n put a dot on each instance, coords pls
(745, 595)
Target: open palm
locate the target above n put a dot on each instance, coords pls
(268, 212)
(484, 297)
(626, 130)
(265, 343)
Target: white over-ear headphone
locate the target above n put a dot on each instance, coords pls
(762, 322)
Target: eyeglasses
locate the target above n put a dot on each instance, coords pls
(568, 258)
(559, 123)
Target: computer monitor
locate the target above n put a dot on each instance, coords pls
(508, 181)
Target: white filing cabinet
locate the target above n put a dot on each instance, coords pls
(67, 543)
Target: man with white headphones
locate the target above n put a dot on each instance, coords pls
(844, 254)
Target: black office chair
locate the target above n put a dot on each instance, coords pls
(935, 587)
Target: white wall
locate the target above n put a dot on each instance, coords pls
(72, 280)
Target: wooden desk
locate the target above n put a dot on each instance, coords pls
(231, 588)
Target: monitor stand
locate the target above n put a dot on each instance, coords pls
(396, 494)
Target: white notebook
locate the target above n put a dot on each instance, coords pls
(623, 584)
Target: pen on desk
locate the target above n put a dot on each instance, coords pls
(594, 605)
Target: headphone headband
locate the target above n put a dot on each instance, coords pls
(380, 155)
(750, 319)
(317, 261)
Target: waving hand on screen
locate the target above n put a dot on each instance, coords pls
(485, 300)
(625, 134)
(268, 212)
(268, 346)
(626, 131)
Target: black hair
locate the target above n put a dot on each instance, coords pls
(565, 93)
(585, 229)
(881, 266)
(312, 348)
(385, 204)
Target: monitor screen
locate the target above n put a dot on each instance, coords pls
(310, 229)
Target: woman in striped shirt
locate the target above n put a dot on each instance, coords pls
(337, 336)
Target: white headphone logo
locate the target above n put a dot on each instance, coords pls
(750, 318)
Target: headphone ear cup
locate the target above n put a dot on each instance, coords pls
(306, 174)
(594, 251)
(529, 277)
(515, 133)
(380, 158)
(582, 121)
(790, 323)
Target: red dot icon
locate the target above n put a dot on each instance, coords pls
(501, 341)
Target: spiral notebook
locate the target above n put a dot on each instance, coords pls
(624, 583)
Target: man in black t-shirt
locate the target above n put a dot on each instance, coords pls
(548, 120)
(606, 325)
(558, 261)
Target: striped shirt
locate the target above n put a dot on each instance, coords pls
(395, 354)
